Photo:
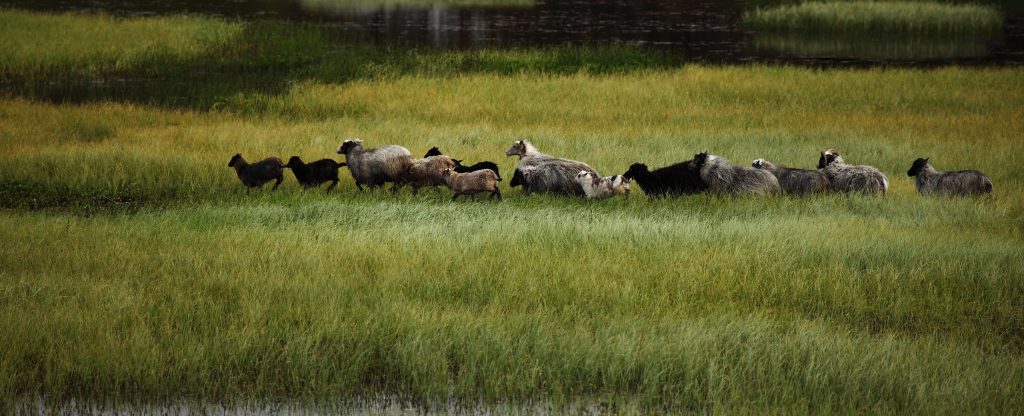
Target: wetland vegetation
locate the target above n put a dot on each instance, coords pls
(135, 268)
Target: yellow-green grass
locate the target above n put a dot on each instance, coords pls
(880, 18)
(136, 269)
(820, 304)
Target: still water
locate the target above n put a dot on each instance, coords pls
(701, 30)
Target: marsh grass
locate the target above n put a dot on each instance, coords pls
(136, 269)
(878, 18)
(885, 48)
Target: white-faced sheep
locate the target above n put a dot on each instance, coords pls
(427, 172)
(315, 173)
(673, 180)
(604, 187)
(254, 175)
(375, 167)
(472, 183)
(930, 181)
(863, 179)
(722, 177)
(545, 173)
(796, 181)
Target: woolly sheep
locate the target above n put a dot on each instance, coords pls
(254, 175)
(427, 172)
(930, 181)
(375, 167)
(315, 173)
(864, 179)
(673, 180)
(545, 173)
(471, 183)
(460, 168)
(722, 177)
(604, 187)
(796, 181)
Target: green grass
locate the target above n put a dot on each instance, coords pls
(878, 18)
(885, 48)
(136, 269)
(200, 63)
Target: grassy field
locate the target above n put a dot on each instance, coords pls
(878, 17)
(136, 269)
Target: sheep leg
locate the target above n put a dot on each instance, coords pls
(333, 184)
(496, 193)
(454, 196)
(360, 186)
(280, 179)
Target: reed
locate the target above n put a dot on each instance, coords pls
(878, 18)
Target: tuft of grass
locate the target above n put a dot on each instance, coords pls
(878, 18)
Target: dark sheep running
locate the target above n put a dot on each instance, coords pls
(254, 175)
(930, 181)
(313, 174)
(673, 180)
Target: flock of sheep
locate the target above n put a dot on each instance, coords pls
(542, 173)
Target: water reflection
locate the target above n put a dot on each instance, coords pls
(872, 49)
(699, 30)
(340, 7)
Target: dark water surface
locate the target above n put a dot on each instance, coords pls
(700, 30)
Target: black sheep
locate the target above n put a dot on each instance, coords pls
(460, 168)
(315, 173)
(254, 175)
(673, 180)
(434, 151)
(518, 179)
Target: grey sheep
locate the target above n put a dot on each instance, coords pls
(427, 172)
(959, 183)
(864, 179)
(541, 173)
(375, 167)
(722, 177)
(472, 183)
(604, 187)
(254, 175)
(796, 181)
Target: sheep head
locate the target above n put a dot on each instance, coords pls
(828, 157)
(235, 159)
(434, 151)
(518, 149)
(702, 158)
(348, 145)
(919, 165)
(583, 177)
(294, 162)
(635, 170)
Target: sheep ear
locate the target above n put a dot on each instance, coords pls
(926, 159)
